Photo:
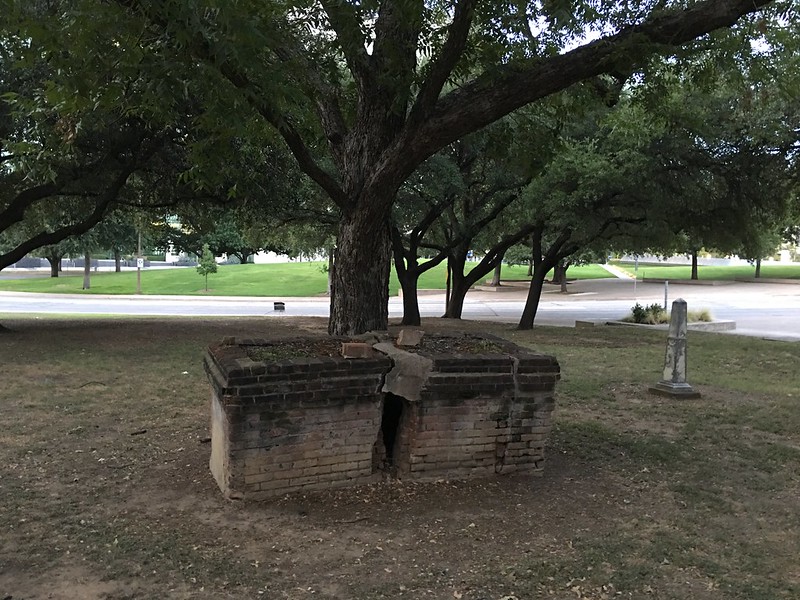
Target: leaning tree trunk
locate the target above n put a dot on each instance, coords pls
(360, 294)
(534, 295)
(458, 294)
(459, 286)
(496, 275)
(758, 268)
(87, 270)
(694, 265)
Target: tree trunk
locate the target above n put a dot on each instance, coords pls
(87, 270)
(532, 259)
(447, 284)
(459, 286)
(409, 282)
(496, 275)
(694, 265)
(457, 296)
(758, 268)
(117, 261)
(407, 269)
(560, 275)
(330, 270)
(360, 294)
(534, 295)
(55, 265)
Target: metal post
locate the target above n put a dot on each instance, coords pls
(666, 290)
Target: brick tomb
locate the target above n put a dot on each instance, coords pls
(298, 415)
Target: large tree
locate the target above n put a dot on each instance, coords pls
(362, 93)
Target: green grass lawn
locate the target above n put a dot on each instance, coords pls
(278, 279)
(659, 271)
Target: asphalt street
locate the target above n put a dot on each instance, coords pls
(770, 310)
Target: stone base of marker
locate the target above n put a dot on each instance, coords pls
(674, 390)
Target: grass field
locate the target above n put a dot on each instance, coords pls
(105, 490)
(658, 271)
(281, 279)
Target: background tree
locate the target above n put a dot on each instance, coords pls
(363, 93)
(207, 264)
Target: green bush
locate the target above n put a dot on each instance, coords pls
(648, 315)
(639, 313)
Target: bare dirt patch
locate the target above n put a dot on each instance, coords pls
(106, 492)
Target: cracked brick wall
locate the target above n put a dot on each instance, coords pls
(317, 423)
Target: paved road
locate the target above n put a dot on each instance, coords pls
(765, 310)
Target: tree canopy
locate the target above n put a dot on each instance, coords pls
(360, 93)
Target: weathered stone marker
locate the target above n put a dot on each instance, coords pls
(674, 381)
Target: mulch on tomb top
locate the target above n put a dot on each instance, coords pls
(311, 347)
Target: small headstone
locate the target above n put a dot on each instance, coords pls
(279, 306)
(410, 337)
(674, 379)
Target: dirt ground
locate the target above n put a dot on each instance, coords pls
(106, 493)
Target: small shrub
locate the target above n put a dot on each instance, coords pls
(639, 313)
(650, 315)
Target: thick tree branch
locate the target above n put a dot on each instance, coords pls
(443, 65)
(15, 211)
(392, 65)
(202, 50)
(325, 97)
(287, 131)
(348, 28)
(493, 95)
(496, 253)
(47, 238)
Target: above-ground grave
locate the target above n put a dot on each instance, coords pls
(310, 414)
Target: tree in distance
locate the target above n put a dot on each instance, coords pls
(207, 264)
